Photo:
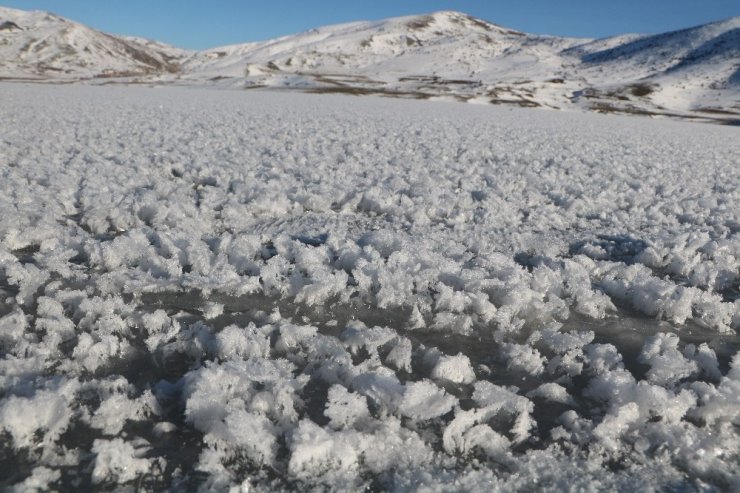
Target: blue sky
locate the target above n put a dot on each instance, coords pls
(206, 24)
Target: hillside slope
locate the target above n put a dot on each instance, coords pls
(445, 53)
(39, 45)
(691, 73)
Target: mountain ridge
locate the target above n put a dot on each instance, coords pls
(689, 73)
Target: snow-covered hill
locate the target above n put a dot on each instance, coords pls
(39, 45)
(691, 73)
(694, 68)
(446, 53)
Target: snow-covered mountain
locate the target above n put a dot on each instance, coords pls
(39, 45)
(696, 68)
(446, 53)
(690, 73)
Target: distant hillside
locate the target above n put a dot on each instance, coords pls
(691, 73)
(38, 45)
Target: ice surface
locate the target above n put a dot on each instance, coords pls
(219, 290)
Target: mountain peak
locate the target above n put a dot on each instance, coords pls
(452, 19)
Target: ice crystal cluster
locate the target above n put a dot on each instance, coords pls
(236, 291)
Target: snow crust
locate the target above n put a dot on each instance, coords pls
(228, 291)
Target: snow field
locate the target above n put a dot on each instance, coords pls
(221, 290)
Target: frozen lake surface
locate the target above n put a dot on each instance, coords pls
(225, 291)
